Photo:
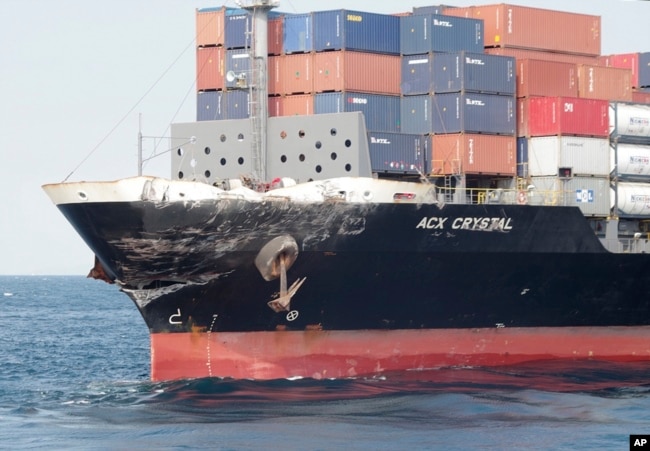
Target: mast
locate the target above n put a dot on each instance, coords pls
(258, 83)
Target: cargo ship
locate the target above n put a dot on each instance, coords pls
(345, 241)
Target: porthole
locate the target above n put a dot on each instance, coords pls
(319, 169)
(207, 151)
(283, 158)
(318, 144)
(348, 167)
(333, 132)
(222, 138)
(301, 133)
(179, 152)
(348, 143)
(180, 174)
(240, 160)
(207, 174)
(222, 161)
(240, 137)
(333, 155)
(301, 157)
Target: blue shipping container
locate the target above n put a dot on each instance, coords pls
(474, 72)
(474, 113)
(381, 112)
(522, 157)
(237, 104)
(436, 33)
(239, 62)
(398, 152)
(416, 74)
(237, 23)
(355, 30)
(415, 114)
(235, 30)
(433, 9)
(459, 113)
(297, 30)
(209, 106)
(644, 69)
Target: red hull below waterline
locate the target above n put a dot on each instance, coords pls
(365, 353)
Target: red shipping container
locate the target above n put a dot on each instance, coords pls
(609, 83)
(640, 97)
(473, 154)
(296, 73)
(509, 25)
(210, 27)
(543, 55)
(549, 116)
(546, 79)
(210, 66)
(344, 70)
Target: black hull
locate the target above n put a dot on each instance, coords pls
(190, 266)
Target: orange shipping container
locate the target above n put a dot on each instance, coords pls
(546, 78)
(296, 73)
(607, 83)
(507, 25)
(295, 105)
(474, 154)
(345, 70)
(274, 79)
(275, 33)
(210, 63)
(210, 27)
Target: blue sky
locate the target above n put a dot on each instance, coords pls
(74, 81)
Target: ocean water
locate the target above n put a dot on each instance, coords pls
(74, 374)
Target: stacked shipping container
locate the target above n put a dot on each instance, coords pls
(630, 157)
(444, 90)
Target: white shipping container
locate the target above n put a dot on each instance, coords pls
(585, 156)
(633, 199)
(590, 194)
(629, 119)
(633, 159)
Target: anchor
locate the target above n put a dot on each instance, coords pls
(272, 262)
(284, 299)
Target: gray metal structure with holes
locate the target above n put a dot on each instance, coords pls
(305, 148)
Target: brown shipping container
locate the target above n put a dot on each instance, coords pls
(546, 78)
(474, 154)
(344, 70)
(543, 55)
(296, 75)
(508, 25)
(607, 83)
(210, 64)
(210, 27)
